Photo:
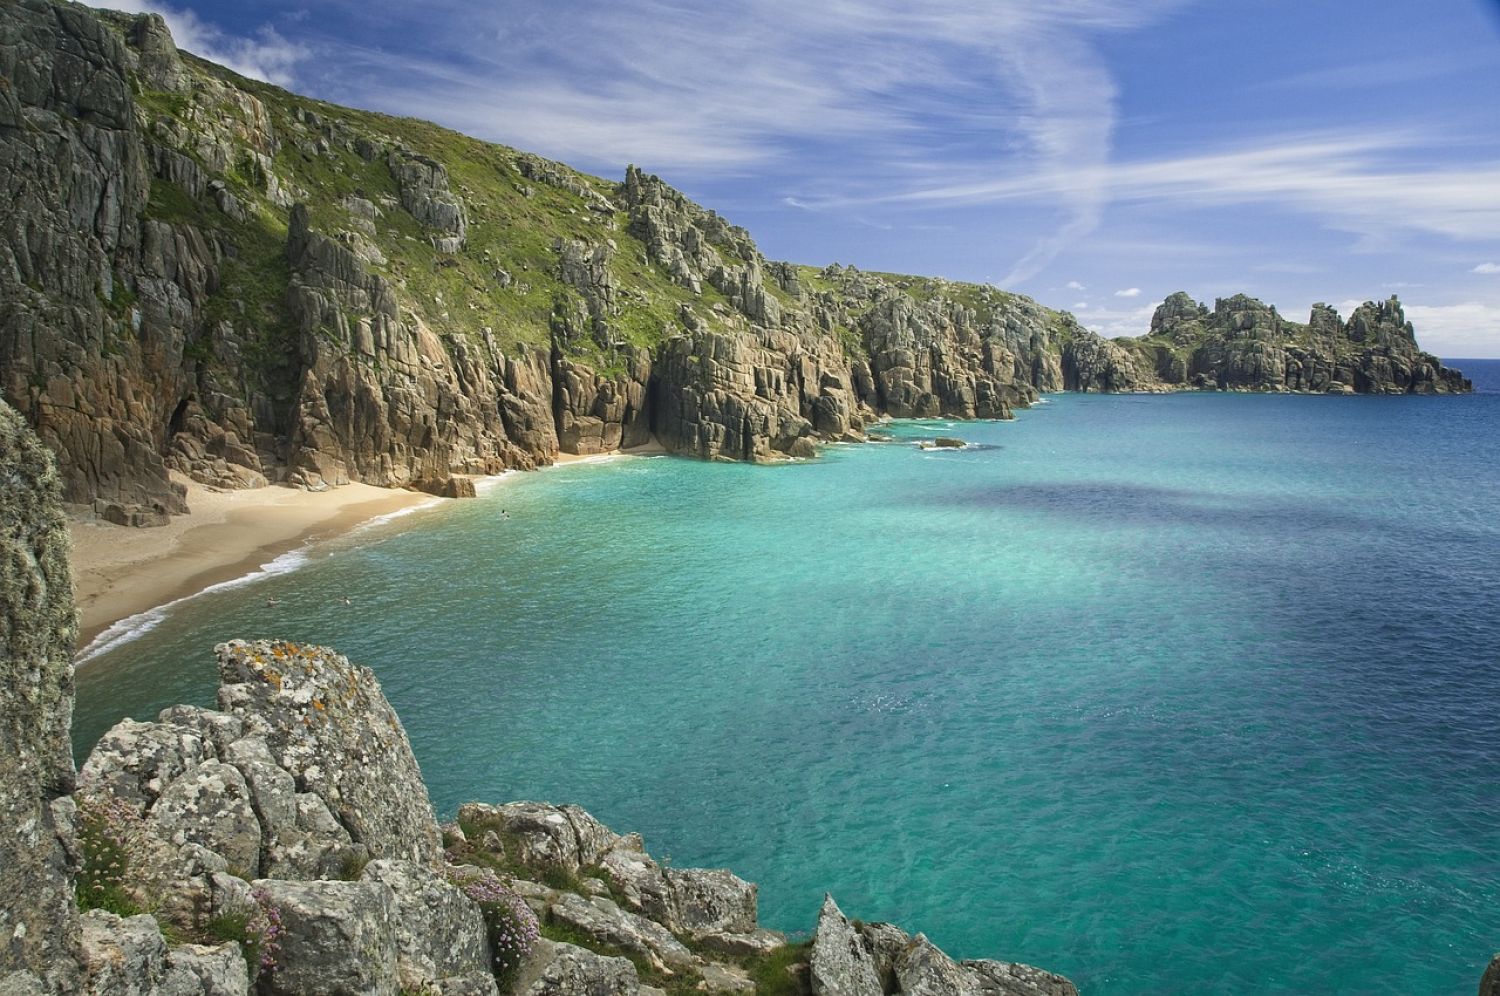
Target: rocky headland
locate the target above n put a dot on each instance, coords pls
(285, 843)
(212, 277)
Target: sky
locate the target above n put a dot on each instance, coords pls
(1095, 154)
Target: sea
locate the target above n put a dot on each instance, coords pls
(1192, 693)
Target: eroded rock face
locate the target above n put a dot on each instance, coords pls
(340, 937)
(328, 724)
(440, 934)
(38, 925)
(556, 969)
(842, 964)
(877, 959)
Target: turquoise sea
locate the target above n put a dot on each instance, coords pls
(1182, 694)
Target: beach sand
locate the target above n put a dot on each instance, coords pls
(119, 571)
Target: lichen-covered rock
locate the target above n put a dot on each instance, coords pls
(209, 805)
(440, 933)
(339, 937)
(602, 921)
(128, 957)
(924, 970)
(198, 970)
(1002, 978)
(710, 901)
(329, 725)
(556, 969)
(841, 963)
(541, 835)
(38, 925)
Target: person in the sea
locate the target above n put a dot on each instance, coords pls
(345, 601)
(271, 603)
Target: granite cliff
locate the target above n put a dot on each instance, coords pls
(284, 843)
(211, 276)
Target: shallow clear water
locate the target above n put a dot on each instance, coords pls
(1171, 694)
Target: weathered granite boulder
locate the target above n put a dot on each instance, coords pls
(556, 969)
(841, 963)
(1002, 978)
(339, 937)
(709, 901)
(924, 970)
(603, 921)
(541, 835)
(128, 957)
(440, 934)
(329, 725)
(38, 925)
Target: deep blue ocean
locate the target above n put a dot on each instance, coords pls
(1179, 694)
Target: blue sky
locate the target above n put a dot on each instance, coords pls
(1095, 154)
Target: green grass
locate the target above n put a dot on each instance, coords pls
(772, 973)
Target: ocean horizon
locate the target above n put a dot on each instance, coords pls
(1166, 693)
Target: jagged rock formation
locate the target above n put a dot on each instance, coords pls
(212, 276)
(878, 959)
(38, 925)
(1245, 345)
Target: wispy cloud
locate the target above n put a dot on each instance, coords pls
(265, 55)
(1128, 292)
(1075, 285)
(1486, 268)
(1113, 323)
(883, 93)
(1356, 182)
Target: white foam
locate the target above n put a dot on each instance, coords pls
(484, 485)
(134, 627)
(398, 513)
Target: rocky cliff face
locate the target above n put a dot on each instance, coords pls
(38, 924)
(213, 277)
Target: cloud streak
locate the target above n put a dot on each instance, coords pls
(1352, 182)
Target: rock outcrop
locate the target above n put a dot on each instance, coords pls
(212, 276)
(879, 959)
(38, 925)
(1243, 344)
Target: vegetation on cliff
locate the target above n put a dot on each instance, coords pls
(210, 275)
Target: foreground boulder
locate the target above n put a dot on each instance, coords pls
(879, 959)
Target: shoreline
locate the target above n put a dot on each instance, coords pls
(121, 573)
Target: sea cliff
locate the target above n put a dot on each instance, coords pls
(285, 843)
(211, 276)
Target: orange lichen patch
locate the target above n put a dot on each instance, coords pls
(318, 704)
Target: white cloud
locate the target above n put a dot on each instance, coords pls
(1470, 329)
(1128, 292)
(1075, 285)
(882, 88)
(1113, 324)
(1486, 268)
(1081, 306)
(267, 56)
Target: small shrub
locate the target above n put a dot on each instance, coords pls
(257, 932)
(107, 831)
(353, 866)
(513, 927)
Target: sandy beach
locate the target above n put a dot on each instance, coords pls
(119, 571)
